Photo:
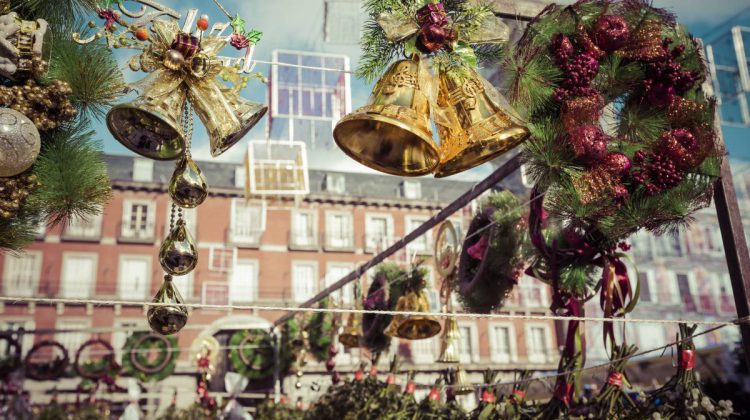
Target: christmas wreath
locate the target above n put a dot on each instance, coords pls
(382, 295)
(320, 330)
(11, 360)
(96, 369)
(252, 353)
(49, 369)
(491, 258)
(149, 356)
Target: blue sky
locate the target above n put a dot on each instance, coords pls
(298, 25)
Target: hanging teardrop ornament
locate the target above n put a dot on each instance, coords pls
(188, 187)
(169, 319)
(178, 255)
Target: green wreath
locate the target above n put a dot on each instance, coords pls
(140, 346)
(320, 332)
(656, 160)
(252, 353)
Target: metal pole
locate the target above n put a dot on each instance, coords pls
(493, 179)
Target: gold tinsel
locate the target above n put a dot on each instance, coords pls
(13, 191)
(682, 112)
(645, 43)
(47, 106)
(596, 186)
(582, 110)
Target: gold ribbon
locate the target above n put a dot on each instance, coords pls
(397, 27)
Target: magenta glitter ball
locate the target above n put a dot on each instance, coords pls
(611, 33)
(589, 143)
(617, 163)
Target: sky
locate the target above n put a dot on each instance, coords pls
(299, 25)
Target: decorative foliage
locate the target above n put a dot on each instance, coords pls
(252, 353)
(385, 289)
(150, 357)
(321, 328)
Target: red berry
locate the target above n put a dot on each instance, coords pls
(333, 350)
(434, 394)
(411, 387)
(202, 23)
(330, 365)
(359, 375)
(390, 379)
(373, 371)
(336, 378)
(141, 34)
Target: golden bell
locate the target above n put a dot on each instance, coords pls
(479, 128)
(392, 329)
(416, 327)
(461, 385)
(188, 187)
(149, 125)
(392, 132)
(227, 121)
(449, 344)
(353, 333)
(171, 318)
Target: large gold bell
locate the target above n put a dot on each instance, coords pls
(149, 125)
(227, 121)
(416, 327)
(460, 384)
(392, 132)
(449, 344)
(480, 128)
(352, 334)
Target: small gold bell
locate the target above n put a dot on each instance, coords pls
(449, 343)
(188, 187)
(461, 384)
(173, 60)
(178, 255)
(416, 327)
(352, 333)
(170, 319)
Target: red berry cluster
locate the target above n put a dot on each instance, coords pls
(656, 172)
(331, 364)
(665, 78)
(579, 70)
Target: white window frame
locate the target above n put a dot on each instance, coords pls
(64, 292)
(28, 323)
(653, 285)
(344, 294)
(411, 189)
(424, 351)
(512, 349)
(143, 170)
(213, 250)
(412, 248)
(240, 177)
(316, 279)
(186, 290)
(370, 243)
(300, 238)
(190, 216)
(127, 212)
(546, 356)
(347, 235)
(254, 237)
(335, 183)
(87, 229)
(123, 285)
(474, 356)
(36, 273)
(256, 274)
(204, 290)
(83, 323)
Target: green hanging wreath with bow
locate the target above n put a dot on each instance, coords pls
(150, 357)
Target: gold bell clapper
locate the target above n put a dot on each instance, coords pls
(178, 255)
(416, 327)
(167, 319)
(352, 335)
(477, 123)
(392, 133)
(449, 344)
(460, 384)
(188, 187)
(150, 125)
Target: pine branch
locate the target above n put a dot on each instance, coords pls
(58, 13)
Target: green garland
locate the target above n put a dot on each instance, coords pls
(136, 361)
(252, 353)
(320, 331)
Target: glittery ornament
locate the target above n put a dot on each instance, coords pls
(431, 38)
(581, 110)
(683, 147)
(561, 47)
(682, 111)
(595, 186)
(174, 60)
(611, 33)
(178, 254)
(645, 43)
(19, 142)
(579, 73)
(46, 106)
(617, 164)
(589, 143)
(660, 94)
(656, 172)
(588, 45)
(13, 191)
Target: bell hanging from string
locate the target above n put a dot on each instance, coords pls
(392, 133)
(449, 342)
(392, 329)
(477, 124)
(188, 187)
(171, 318)
(150, 125)
(178, 254)
(228, 120)
(460, 384)
(352, 335)
(416, 327)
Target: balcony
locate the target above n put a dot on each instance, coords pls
(338, 241)
(303, 241)
(82, 233)
(244, 236)
(137, 235)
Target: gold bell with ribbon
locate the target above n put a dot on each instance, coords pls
(415, 327)
(352, 335)
(392, 133)
(475, 124)
(449, 343)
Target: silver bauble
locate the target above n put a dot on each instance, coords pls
(19, 142)
(188, 186)
(170, 318)
(178, 254)
(174, 60)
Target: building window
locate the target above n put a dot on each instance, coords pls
(143, 170)
(221, 259)
(339, 230)
(304, 280)
(501, 344)
(215, 293)
(423, 351)
(423, 244)
(533, 293)
(138, 220)
(189, 216)
(685, 291)
(378, 231)
(538, 344)
(79, 275)
(467, 348)
(248, 222)
(411, 190)
(22, 272)
(244, 284)
(123, 330)
(304, 228)
(334, 273)
(27, 340)
(72, 340)
(135, 277)
(726, 296)
(643, 247)
(649, 290)
(669, 246)
(84, 228)
(335, 183)
(184, 285)
(240, 177)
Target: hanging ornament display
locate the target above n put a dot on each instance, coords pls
(382, 295)
(392, 133)
(150, 357)
(23, 41)
(445, 257)
(10, 360)
(352, 335)
(19, 142)
(99, 367)
(414, 299)
(206, 352)
(178, 254)
(13, 192)
(171, 314)
(252, 355)
(321, 328)
(188, 187)
(46, 361)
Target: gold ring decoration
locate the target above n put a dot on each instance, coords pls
(447, 249)
(46, 371)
